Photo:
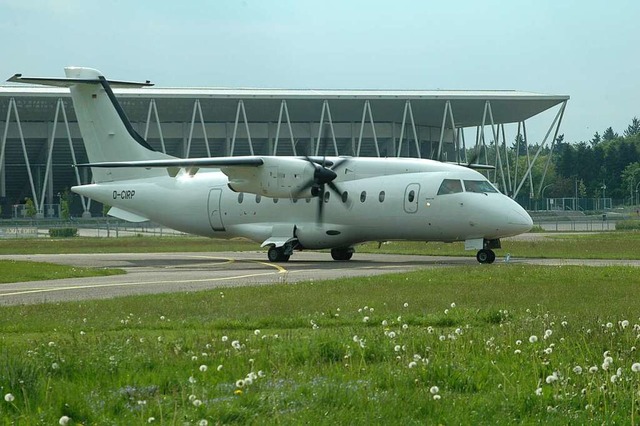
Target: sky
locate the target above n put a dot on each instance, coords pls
(587, 49)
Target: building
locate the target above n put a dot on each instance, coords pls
(40, 140)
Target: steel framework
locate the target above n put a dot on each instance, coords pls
(211, 129)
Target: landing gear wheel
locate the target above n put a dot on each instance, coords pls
(277, 255)
(341, 254)
(486, 256)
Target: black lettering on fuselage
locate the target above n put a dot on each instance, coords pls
(126, 194)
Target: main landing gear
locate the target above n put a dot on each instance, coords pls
(342, 253)
(486, 256)
(278, 254)
(282, 254)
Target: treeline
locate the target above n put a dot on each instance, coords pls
(606, 165)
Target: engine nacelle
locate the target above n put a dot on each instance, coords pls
(276, 178)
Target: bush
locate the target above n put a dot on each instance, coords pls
(63, 232)
(628, 225)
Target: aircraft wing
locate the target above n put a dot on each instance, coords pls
(277, 177)
(182, 163)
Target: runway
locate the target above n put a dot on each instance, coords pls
(148, 273)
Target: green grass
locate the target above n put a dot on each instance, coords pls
(12, 271)
(337, 352)
(143, 244)
(597, 245)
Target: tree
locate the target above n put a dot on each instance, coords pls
(65, 212)
(633, 128)
(519, 145)
(609, 134)
(596, 139)
(29, 207)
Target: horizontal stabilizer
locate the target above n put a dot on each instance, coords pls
(68, 82)
(125, 215)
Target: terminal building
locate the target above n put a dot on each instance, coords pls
(40, 139)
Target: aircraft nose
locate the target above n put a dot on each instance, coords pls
(519, 219)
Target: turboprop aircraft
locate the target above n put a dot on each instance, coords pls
(284, 203)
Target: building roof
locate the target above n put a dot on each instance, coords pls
(263, 105)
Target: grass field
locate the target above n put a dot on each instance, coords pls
(597, 245)
(12, 271)
(449, 346)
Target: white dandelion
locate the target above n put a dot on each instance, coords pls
(203, 368)
(533, 339)
(434, 390)
(635, 368)
(9, 397)
(64, 420)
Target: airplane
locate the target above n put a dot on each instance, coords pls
(286, 204)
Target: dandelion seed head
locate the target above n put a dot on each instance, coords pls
(9, 397)
(624, 323)
(517, 352)
(635, 368)
(151, 419)
(412, 364)
(203, 368)
(224, 338)
(64, 420)
(396, 348)
(203, 422)
(256, 332)
(518, 342)
(577, 369)
(405, 326)
(192, 380)
(539, 391)
(240, 383)
(593, 369)
(406, 304)
(197, 403)
(533, 339)
(434, 390)
(385, 323)
(436, 397)
(365, 319)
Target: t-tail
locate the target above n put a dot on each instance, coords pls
(106, 131)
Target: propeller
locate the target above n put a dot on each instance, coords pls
(323, 175)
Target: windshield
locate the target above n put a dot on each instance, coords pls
(450, 186)
(482, 186)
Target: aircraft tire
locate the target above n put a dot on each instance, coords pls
(341, 254)
(485, 256)
(277, 255)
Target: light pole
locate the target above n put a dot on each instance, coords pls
(542, 195)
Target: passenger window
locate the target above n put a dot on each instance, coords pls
(363, 196)
(258, 198)
(326, 196)
(381, 196)
(345, 196)
(308, 200)
(411, 196)
(240, 197)
(295, 200)
(450, 186)
(275, 201)
(481, 186)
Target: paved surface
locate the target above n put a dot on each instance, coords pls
(175, 272)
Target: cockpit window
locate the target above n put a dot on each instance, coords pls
(481, 186)
(450, 186)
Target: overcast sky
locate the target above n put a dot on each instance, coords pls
(586, 49)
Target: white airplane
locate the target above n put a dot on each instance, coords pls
(284, 203)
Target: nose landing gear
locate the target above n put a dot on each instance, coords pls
(486, 256)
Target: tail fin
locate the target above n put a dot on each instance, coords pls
(107, 133)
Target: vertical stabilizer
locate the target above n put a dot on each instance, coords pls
(106, 131)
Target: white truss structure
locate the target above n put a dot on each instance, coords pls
(406, 126)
